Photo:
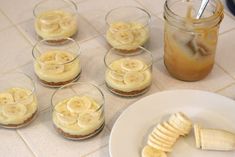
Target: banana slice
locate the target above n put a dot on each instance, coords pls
(116, 76)
(64, 57)
(79, 104)
(49, 18)
(52, 67)
(161, 143)
(94, 106)
(14, 111)
(158, 147)
(87, 119)
(21, 95)
(49, 28)
(164, 136)
(119, 26)
(171, 128)
(64, 116)
(132, 65)
(67, 22)
(133, 78)
(185, 129)
(166, 131)
(47, 57)
(124, 37)
(155, 137)
(149, 151)
(184, 119)
(6, 98)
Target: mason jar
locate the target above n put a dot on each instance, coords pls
(190, 43)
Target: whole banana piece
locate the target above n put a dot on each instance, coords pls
(214, 139)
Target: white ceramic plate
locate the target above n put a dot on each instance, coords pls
(130, 131)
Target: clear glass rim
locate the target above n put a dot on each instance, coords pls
(76, 83)
(133, 7)
(67, 39)
(218, 13)
(32, 91)
(43, 1)
(126, 55)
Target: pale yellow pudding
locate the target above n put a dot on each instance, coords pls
(127, 36)
(57, 67)
(56, 24)
(78, 116)
(18, 106)
(128, 76)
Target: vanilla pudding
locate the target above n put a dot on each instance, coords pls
(56, 24)
(18, 106)
(127, 36)
(78, 117)
(128, 76)
(57, 67)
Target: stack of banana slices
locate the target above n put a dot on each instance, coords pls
(16, 106)
(53, 62)
(56, 23)
(165, 134)
(214, 139)
(78, 112)
(127, 35)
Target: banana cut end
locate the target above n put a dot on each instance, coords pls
(197, 135)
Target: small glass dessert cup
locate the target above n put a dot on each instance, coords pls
(128, 75)
(78, 110)
(190, 43)
(18, 103)
(57, 65)
(128, 28)
(55, 20)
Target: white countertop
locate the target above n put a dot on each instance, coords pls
(17, 37)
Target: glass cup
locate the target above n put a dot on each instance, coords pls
(78, 110)
(128, 28)
(128, 75)
(57, 65)
(18, 103)
(190, 43)
(55, 20)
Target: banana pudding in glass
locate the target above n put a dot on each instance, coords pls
(55, 20)
(78, 111)
(190, 43)
(57, 65)
(18, 103)
(128, 75)
(128, 28)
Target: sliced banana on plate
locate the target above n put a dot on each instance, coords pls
(134, 78)
(159, 147)
(6, 98)
(132, 65)
(53, 67)
(155, 137)
(14, 111)
(87, 119)
(166, 131)
(149, 151)
(64, 57)
(79, 104)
